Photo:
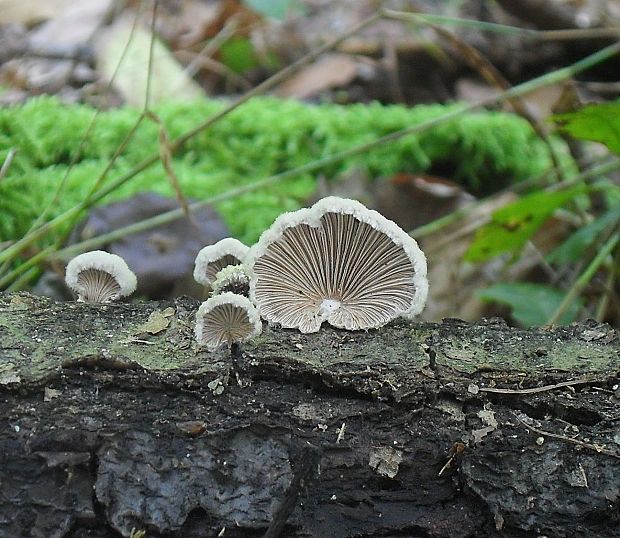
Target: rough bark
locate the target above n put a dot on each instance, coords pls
(113, 420)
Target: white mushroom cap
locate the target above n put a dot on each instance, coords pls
(337, 262)
(212, 258)
(100, 277)
(226, 319)
(235, 278)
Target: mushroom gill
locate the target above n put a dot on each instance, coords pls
(337, 262)
(226, 319)
(100, 277)
(213, 258)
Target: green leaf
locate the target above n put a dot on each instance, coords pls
(512, 225)
(239, 55)
(575, 246)
(598, 122)
(277, 9)
(531, 304)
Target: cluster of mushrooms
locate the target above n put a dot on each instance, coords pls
(336, 262)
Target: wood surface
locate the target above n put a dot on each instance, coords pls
(113, 422)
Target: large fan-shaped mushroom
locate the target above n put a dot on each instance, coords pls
(337, 262)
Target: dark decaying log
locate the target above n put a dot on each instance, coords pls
(113, 422)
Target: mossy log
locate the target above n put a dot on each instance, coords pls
(114, 422)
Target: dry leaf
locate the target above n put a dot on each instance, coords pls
(50, 394)
(331, 71)
(74, 25)
(488, 417)
(385, 460)
(30, 12)
(9, 378)
(480, 434)
(156, 323)
(168, 80)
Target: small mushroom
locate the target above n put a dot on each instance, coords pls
(226, 319)
(100, 277)
(233, 278)
(213, 258)
(337, 262)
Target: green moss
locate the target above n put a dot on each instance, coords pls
(265, 136)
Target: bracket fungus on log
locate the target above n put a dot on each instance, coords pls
(339, 262)
(213, 258)
(100, 277)
(226, 319)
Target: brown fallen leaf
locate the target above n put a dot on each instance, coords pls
(331, 71)
(192, 428)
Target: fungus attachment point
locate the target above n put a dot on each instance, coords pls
(226, 319)
(233, 278)
(213, 258)
(100, 277)
(337, 262)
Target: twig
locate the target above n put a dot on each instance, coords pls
(562, 34)
(455, 216)
(217, 67)
(535, 390)
(608, 290)
(149, 69)
(7, 162)
(584, 278)
(203, 59)
(494, 77)
(591, 446)
(166, 161)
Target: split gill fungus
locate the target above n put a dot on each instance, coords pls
(213, 258)
(226, 319)
(338, 262)
(100, 277)
(233, 278)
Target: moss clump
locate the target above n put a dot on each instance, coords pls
(265, 136)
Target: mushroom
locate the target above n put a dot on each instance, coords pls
(233, 278)
(226, 319)
(213, 258)
(99, 277)
(339, 262)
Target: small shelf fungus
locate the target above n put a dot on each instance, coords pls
(213, 258)
(233, 278)
(338, 262)
(226, 319)
(100, 277)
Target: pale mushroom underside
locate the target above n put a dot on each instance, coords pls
(97, 286)
(100, 277)
(339, 269)
(233, 278)
(213, 258)
(216, 266)
(226, 319)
